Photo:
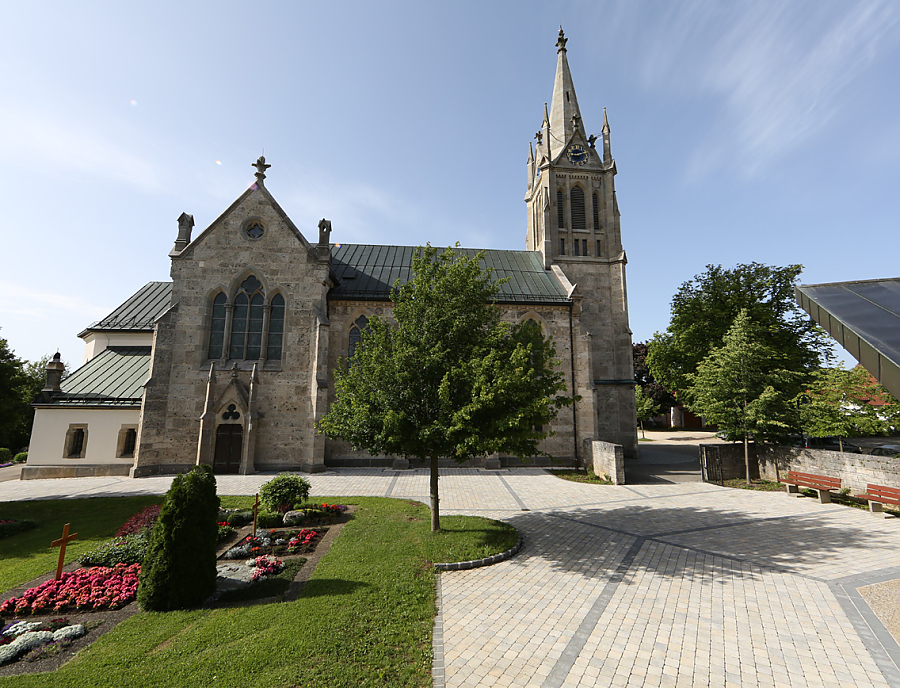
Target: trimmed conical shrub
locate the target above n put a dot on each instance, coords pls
(179, 570)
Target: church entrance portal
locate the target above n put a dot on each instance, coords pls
(229, 440)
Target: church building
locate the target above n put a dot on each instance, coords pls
(230, 363)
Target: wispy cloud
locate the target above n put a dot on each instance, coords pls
(38, 139)
(43, 305)
(779, 70)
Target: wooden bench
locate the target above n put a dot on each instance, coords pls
(822, 484)
(880, 494)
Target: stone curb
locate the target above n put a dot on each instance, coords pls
(478, 563)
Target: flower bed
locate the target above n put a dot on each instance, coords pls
(264, 566)
(277, 542)
(145, 518)
(98, 587)
(11, 526)
(34, 640)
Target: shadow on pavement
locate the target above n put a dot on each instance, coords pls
(691, 542)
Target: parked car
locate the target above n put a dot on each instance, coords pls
(828, 443)
(887, 450)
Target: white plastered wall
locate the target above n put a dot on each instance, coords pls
(96, 342)
(48, 436)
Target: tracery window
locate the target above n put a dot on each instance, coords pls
(248, 334)
(356, 330)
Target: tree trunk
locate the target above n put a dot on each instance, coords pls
(746, 458)
(435, 513)
(643, 436)
(841, 444)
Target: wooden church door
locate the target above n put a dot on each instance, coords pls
(229, 441)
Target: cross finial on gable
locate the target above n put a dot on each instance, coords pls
(261, 167)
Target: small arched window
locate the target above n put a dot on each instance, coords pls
(217, 326)
(576, 197)
(276, 328)
(356, 330)
(560, 211)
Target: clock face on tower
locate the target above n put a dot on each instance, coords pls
(576, 154)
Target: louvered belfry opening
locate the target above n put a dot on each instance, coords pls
(579, 219)
(596, 208)
(560, 212)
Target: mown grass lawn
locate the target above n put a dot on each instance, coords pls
(364, 619)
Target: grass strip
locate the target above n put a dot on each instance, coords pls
(579, 475)
(363, 619)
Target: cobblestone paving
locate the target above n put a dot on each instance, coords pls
(651, 585)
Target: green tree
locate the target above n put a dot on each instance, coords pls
(846, 403)
(740, 388)
(645, 380)
(646, 409)
(446, 378)
(16, 415)
(705, 307)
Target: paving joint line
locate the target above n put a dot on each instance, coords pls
(513, 493)
(391, 486)
(570, 654)
(438, 669)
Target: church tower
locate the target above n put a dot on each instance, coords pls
(573, 221)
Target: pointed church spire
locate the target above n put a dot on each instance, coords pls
(565, 117)
(607, 155)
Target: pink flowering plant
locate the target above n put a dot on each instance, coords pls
(301, 541)
(144, 519)
(264, 566)
(99, 587)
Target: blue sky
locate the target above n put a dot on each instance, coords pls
(742, 131)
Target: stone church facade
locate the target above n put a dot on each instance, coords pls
(229, 364)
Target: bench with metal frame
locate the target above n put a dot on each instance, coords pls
(822, 484)
(877, 495)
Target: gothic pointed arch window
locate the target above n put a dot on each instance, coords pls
(217, 326)
(576, 199)
(356, 330)
(276, 328)
(247, 332)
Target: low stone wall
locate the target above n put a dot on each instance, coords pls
(608, 459)
(82, 471)
(856, 471)
(772, 462)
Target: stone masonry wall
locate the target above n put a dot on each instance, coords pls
(771, 462)
(608, 460)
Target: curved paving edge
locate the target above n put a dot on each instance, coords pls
(487, 561)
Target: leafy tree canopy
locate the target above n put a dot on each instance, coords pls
(446, 378)
(847, 403)
(646, 383)
(741, 388)
(705, 307)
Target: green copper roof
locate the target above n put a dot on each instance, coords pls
(368, 272)
(139, 312)
(114, 377)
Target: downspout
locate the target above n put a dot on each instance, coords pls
(572, 362)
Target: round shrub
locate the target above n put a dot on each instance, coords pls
(269, 519)
(282, 492)
(21, 457)
(5, 455)
(240, 518)
(128, 549)
(179, 570)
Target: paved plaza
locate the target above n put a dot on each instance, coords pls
(681, 584)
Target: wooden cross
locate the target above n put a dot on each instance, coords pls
(255, 512)
(61, 543)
